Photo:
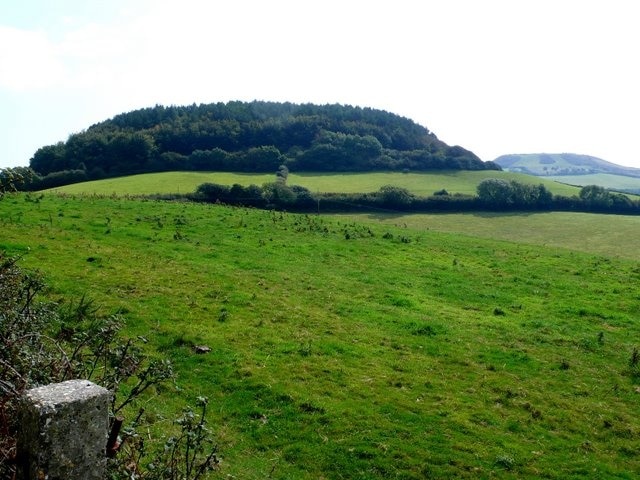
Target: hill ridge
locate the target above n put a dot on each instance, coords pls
(560, 164)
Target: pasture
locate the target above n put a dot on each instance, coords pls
(606, 180)
(423, 184)
(608, 235)
(364, 348)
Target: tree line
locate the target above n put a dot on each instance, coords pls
(248, 137)
(492, 194)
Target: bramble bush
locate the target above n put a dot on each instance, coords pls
(44, 342)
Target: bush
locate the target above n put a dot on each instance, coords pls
(58, 179)
(14, 179)
(395, 197)
(42, 342)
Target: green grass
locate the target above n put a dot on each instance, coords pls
(608, 235)
(165, 182)
(418, 183)
(606, 180)
(348, 349)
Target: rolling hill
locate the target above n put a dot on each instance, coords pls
(253, 137)
(573, 169)
(562, 164)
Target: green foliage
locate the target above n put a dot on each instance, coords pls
(336, 151)
(258, 159)
(213, 192)
(190, 454)
(502, 194)
(14, 179)
(42, 342)
(49, 159)
(214, 159)
(595, 196)
(278, 194)
(395, 196)
(282, 175)
(57, 179)
(251, 195)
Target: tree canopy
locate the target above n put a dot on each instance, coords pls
(251, 136)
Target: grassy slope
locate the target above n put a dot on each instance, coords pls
(418, 183)
(395, 353)
(533, 164)
(616, 182)
(608, 235)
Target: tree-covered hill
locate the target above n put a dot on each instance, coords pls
(253, 137)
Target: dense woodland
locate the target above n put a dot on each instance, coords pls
(250, 137)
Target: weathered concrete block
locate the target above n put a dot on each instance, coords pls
(64, 428)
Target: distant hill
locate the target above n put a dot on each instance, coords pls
(561, 164)
(251, 137)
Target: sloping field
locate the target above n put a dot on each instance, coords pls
(614, 182)
(418, 183)
(607, 235)
(344, 349)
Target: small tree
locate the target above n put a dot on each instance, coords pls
(396, 197)
(495, 192)
(13, 179)
(277, 193)
(213, 192)
(282, 174)
(595, 196)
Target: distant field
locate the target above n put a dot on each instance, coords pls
(464, 182)
(608, 235)
(606, 180)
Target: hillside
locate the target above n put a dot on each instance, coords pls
(349, 350)
(249, 137)
(619, 183)
(561, 164)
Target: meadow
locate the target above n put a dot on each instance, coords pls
(608, 235)
(423, 184)
(366, 348)
(606, 180)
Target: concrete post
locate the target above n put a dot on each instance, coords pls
(63, 432)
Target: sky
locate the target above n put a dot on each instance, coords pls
(494, 76)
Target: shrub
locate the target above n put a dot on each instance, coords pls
(395, 196)
(42, 342)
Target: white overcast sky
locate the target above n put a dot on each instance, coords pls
(494, 76)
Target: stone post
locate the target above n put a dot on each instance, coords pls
(63, 432)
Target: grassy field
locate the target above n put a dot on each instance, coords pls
(418, 183)
(608, 235)
(615, 182)
(353, 349)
